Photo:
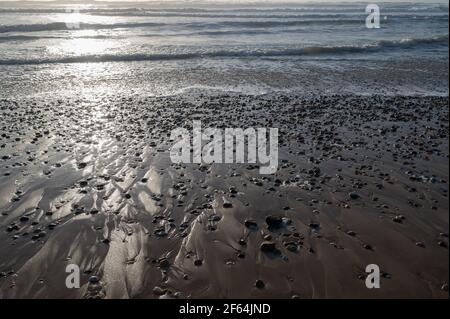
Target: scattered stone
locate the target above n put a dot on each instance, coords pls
(386, 275)
(94, 279)
(354, 195)
(24, 219)
(259, 284)
(227, 205)
(164, 263)
(398, 219)
(251, 224)
(292, 247)
(158, 291)
(314, 225)
(198, 262)
(442, 244)
(274, 222)
(351, 233)
(268, 246)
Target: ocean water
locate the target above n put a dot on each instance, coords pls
(164, 49)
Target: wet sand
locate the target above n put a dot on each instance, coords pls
(361, 180)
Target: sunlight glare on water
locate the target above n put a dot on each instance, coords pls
(82, 46)
(159, 51)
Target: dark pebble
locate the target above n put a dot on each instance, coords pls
(24, 219)
(227, 205)
(164, 263)
(259, 284)
(268, 246)
(354, 195)
(274, 222)
(159, 291)
(198, 262)
(251, 224)
(94, 279)
(442, 244)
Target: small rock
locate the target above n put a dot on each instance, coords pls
(159, 291)
(292, 247)
(198, 262)
(398, 219)
(83, 183)
(386, 275)
(274, 222)
(227, 205)
(420, 244)
(24, 219)
(268, 246)
(94, 280)
(314, 225)
(259, 284)
(442, 244)
(164, 263)
(351, 233)
(354, 195)
(251, 224)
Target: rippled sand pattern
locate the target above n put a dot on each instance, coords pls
(90, 182)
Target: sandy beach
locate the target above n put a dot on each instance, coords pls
(349, 98)
(360, 180)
